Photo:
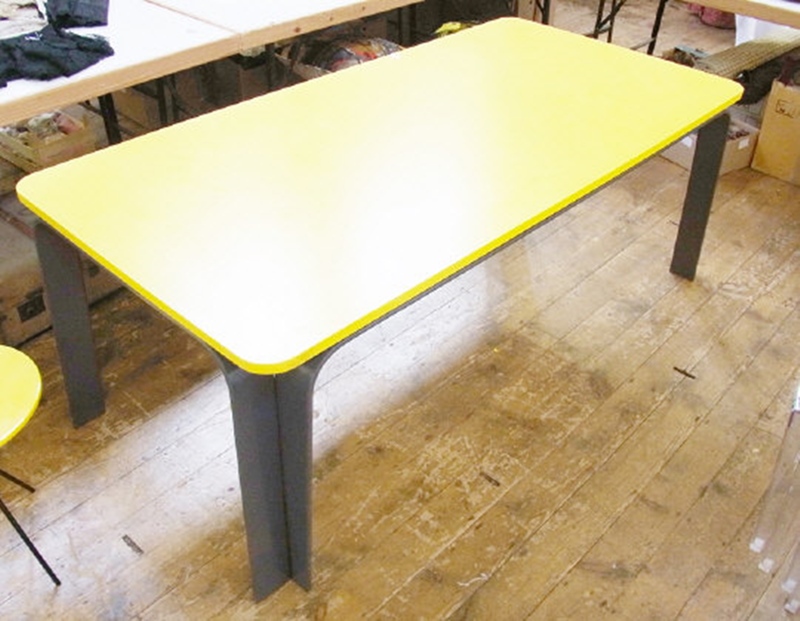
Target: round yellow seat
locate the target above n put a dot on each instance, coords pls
(20, 391)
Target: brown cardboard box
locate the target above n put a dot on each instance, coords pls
(778, 150)
(9, 176)
(136, 111)
(234, 79)
(23, 309)
(30, 152)
(742, 139)
(137, 108)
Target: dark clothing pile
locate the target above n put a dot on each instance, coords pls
(75, 13)
(52, 51)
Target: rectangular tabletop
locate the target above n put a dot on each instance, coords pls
(278, 227)
(149, 41)
(259, 23)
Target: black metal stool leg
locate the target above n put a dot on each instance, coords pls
(14, 479)
(29, 543)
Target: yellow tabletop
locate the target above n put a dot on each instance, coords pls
(278, 227)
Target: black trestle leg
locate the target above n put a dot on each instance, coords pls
(14, 479)
(29, 543)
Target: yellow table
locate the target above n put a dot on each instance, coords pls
(276, 229)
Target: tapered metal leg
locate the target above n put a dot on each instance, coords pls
(272, 427)
(17, 481)
(651, 47)
(26, 540)
(699, 196)
(62, 271)
(545, 9)
(109, 113)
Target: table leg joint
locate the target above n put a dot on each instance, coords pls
(272, 417)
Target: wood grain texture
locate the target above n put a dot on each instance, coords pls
(565, 432)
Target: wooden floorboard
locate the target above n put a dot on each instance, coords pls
(567, 431)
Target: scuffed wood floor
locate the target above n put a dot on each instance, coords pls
(565, 432)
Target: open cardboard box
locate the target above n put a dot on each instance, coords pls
(739, 148)
(778, 151)
(25, 148)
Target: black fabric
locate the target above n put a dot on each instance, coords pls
(72, 13)
(758, 82)
(474, 10)
(49, 53)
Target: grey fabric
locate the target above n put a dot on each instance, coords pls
(71, 13)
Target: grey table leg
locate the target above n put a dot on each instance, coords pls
(62, 271)
(272, 417)
(699, 195)
(272, 427)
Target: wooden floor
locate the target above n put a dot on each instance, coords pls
(565, 432)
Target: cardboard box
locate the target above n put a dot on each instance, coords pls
(234, 79)
(23, 308)
(9, 176)
(778, 150)
(137, 107)
(739, 148)
(66, 137)
(136, 112)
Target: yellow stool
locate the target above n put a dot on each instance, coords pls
(20, 391)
